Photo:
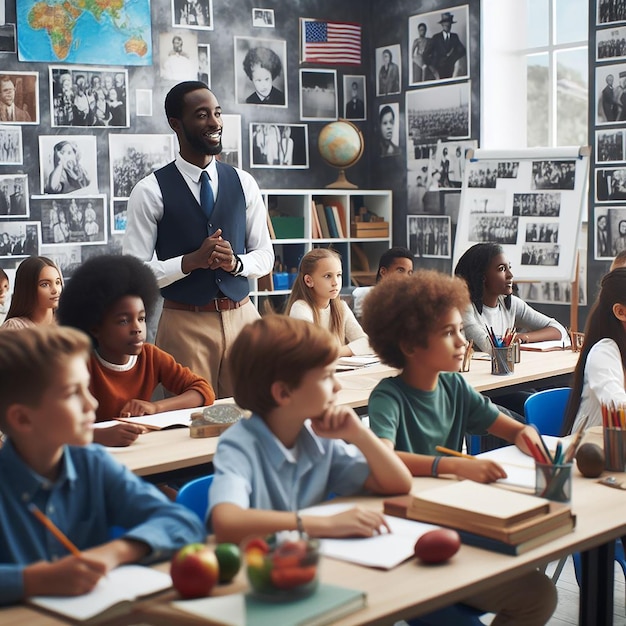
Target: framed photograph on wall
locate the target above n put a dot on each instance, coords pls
(388, 70)
(11, 152)
(609, 97)
(429, 236)
(610, 232)
(611, 44)
(14, 196)
(204, 63)
(7, 36)
(610, 11)
(610, 146)
(178, 55)
(193, 14)
(263, 18)
(67, 257)
(611, 184)
(260, 70)
(279, 145)
(388, 129)
(354, 98)
(19, 239)
(439, 46)
(68, 164)
(19, 97)
(318, 95)
(119, 215)
(231, 140)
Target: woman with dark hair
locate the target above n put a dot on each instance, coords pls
(36, 292)
(387, 120)
(68, 174)
(599, 374)
(262, 66)
(488, 274)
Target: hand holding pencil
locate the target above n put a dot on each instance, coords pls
(470, 467)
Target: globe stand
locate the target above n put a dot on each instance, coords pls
(342, 182)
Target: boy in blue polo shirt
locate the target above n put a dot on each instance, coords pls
(47, 414)
(299, 446)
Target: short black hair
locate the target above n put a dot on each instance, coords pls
(387, 258)
(266, 58)
(175, 99)
(99, 283)
(386, 109)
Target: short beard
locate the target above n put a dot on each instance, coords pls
(198, 145)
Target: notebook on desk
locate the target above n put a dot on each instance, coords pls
(545, 346)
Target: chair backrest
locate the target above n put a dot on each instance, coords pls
(195, 495)
(546, 410)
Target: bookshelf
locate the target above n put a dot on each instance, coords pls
(297, 229)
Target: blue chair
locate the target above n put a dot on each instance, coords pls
(546, 411)
(195, 495)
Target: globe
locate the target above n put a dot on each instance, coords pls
(341, 145)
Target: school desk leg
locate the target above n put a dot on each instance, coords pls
(596, 586)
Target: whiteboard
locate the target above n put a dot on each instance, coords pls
(530, 202)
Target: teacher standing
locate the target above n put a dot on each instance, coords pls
(202, 262)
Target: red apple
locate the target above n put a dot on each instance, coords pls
(194, 570)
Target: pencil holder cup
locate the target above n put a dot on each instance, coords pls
(615, 449)
(503, 360)
(553, 482)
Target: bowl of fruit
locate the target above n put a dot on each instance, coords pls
(281, 568)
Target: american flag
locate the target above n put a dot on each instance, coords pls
(334, 43)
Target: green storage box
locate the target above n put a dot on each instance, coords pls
(288, 227)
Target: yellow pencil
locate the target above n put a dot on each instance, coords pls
(49, 524)
(453, 452)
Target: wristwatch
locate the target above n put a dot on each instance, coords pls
(238, 266)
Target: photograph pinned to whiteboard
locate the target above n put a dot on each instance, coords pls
(534, 209)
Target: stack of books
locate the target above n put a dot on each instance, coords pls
(487, 516)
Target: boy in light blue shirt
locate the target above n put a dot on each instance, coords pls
(299, 446)
(47, 414)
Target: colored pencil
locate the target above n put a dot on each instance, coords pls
(453, 452)
(49, 524)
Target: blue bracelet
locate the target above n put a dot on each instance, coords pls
(433, 470)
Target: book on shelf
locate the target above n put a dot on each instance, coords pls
(545, 346)
(325, 605)
(321, 214)
(462, 501)
(316, 229)
(330, 220)
(338, 215)
(558, 516)
(113, 596)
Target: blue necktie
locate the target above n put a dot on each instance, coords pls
(207, 202)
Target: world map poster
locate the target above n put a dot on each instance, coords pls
(78, 31)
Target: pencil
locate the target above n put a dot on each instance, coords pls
(453, 452)
(49, 524)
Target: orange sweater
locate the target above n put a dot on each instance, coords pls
(113, 389)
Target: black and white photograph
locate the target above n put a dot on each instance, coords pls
(11, 152)
(119, 216)
(354, 97)
(491, 201)
(178, 57)
(609, 11)
(263, 18)
(495, 229)
(553, 175)
(611, 44)
(610, 232)
(429, 236)
(7, 37)
(133, 157)
(610, 94)
(88, 96)
(14, 196)
(508, 169)
(388, 129)
(537, 204)
(556, 292)
(484, 175)
(610, 146)
(318, 95)
(193, 14)
(279, 145)
(68, 164)
(204, 63)
(388, 70)
(540, 254)
(542, 232)
(143, 102)
(67, 257)
(19, 97)
(231, 140)
(439, 112)
(439, 48)
(19, 239)
(611, 184)
(450, 162)
(260, 70)
(80, 221)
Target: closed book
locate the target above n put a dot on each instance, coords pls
(544, 346)
(321, 214)
(111, 597)
(338, 213)
(316, 229)
(466, 500)
(330, 219)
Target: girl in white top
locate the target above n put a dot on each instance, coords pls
(599, 375)
(314, 298)
(488, 274)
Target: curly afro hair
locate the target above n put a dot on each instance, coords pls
(99, 283)
(402, 311)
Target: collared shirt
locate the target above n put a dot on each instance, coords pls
(145, 210)
(253, 469)
(92, 493)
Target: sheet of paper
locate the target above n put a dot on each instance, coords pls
(358, 361)
(384, 551)
(168, 418)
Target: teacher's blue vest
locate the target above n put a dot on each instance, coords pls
(184, 227)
